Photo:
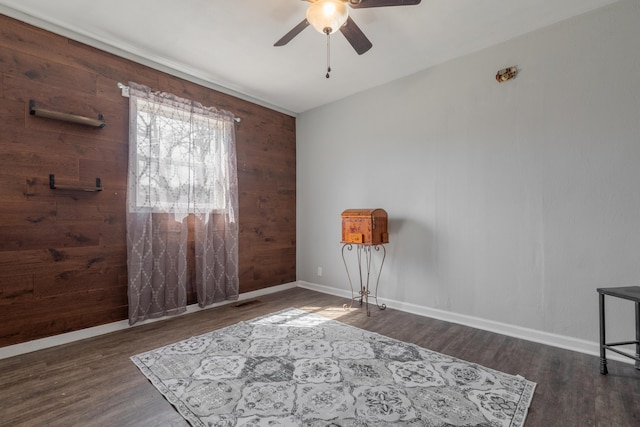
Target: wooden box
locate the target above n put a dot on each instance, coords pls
(365, 226)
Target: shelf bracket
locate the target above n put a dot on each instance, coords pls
(54, 186)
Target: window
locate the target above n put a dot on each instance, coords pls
(180, 161)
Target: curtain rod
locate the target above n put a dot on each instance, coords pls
(125, 93)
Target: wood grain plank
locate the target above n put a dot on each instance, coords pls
(35, 315)
(15, 286)
(44, 261)
(20, 163)
(36, 236)
(44, 142)
(11, 114)
(13, 214)
(14, 62)
(29, 39)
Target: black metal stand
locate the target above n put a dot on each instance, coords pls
(631, 293)
(364, 272)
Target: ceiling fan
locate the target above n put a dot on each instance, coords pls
(329, 16)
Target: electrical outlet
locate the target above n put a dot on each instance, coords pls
(319, 271)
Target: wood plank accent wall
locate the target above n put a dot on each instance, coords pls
(63, 253)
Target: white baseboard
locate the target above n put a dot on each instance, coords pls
(40, 344)
(561, 341)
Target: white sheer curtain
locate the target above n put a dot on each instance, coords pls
(182, 161)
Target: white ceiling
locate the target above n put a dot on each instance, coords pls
(228, 44)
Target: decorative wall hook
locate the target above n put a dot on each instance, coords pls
(506, 74)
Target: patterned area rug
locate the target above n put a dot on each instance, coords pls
(293, 368)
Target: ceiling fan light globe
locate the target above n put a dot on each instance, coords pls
(327, 14)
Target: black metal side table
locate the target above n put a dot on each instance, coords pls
(364, 271)
(631, 293)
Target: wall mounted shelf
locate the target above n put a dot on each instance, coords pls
(65, 117)
(54, 186)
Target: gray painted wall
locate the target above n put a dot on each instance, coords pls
(508, 202)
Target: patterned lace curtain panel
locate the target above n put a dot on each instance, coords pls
(182, 163)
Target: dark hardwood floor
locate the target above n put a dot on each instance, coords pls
(93, 382)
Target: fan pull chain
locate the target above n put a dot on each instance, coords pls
(327, 31)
